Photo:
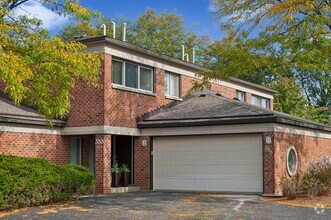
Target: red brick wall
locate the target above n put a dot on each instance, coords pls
(86, 105)
(54, 148)
(141, 163)
(309, 149)
(118, 107)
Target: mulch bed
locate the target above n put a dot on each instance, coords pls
(302, 200)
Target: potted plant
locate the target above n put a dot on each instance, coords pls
(116, 170)
(125, 170)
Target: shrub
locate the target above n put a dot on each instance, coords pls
(35, 181)
(291, 186)
(312, 185)
(322, 171)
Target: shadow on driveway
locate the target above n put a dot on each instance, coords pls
(169, 205)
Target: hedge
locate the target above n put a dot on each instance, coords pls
(34, 181)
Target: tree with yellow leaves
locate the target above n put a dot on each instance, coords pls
(38, 69)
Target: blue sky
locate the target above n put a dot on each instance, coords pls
(195, 13)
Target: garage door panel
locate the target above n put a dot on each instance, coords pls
(248, 170)
(199, 184)
(213, 184)
(174, 184)
(186, 184)
(174, 171)
(162, 183)
(212, 170)
(227, 185)
(209, 163)
(227, 170)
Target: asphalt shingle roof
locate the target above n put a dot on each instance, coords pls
(213, 109)
(11, 113)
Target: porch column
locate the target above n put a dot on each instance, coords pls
(102, 164)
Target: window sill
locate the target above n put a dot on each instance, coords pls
(173, 98)
(120, 87)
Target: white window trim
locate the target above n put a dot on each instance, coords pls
(291, 173)
(130, 88)
(261, 98)
(170, 84)
(239, 91)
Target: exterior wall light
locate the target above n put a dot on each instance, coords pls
(144, 143)
(268, 140)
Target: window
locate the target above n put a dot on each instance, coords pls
(291, 161)
(259, 101)
(76, 151)
(132, 75)
(172, 85)
(241, 96)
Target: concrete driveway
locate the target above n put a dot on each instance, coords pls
(170, 205)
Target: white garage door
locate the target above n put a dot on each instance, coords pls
(231, 163)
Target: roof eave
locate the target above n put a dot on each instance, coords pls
(168, 124)
(275, 119)
(144, 51)
(192, 66)
(31, 121)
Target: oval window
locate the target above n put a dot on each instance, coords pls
(292, 161)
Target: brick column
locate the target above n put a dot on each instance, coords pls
(248, 98)
(141, 163)
(271, 104)
(102, 164)
(268, 164)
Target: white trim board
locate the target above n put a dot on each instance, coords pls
(105, 129)
(235, 129)
(177, 131)
(29, 129)
(289, 129)
(168, 66)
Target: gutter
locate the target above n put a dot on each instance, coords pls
(31, 121)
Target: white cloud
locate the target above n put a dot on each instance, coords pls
(35, 9)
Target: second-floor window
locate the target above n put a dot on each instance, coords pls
(172, 85)
(132, 75)
(260, 101)
(241, 96)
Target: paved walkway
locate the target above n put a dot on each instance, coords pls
(170, 205)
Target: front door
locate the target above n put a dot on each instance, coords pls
(122, 153)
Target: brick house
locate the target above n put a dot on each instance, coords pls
(228, 139)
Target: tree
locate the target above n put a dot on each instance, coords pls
(40, 70)
(163, 33)
(269, 39)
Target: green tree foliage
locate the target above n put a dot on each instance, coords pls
(38, 69)
(163, 33)
(268, 39)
